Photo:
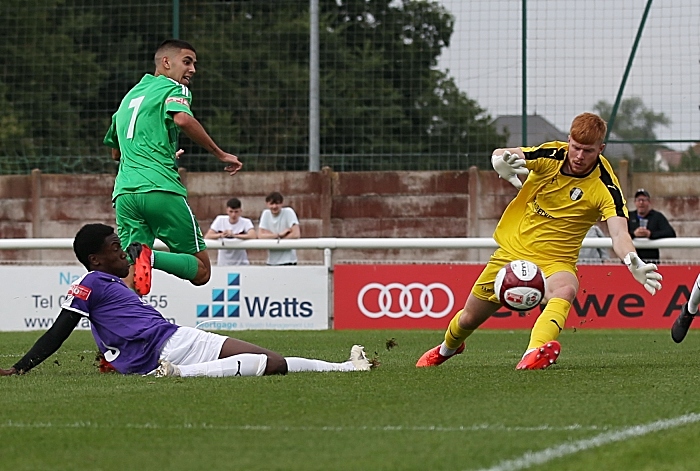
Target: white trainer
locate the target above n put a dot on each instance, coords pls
(359, 359)
(167, 369)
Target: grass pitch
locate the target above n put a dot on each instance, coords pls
(623, 400)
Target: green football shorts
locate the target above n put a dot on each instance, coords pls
(143, 217)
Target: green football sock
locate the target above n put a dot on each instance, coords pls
(181, 265)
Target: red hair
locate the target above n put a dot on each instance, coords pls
(588, 129)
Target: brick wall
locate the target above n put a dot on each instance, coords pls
(329, 204)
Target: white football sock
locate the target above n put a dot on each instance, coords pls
(446, 352)
(245, 364)
(694, 297)
(296, 365)
(528, 351)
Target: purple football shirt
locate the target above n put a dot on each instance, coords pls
(127, 330)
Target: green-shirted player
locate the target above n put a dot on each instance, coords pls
(149, 197)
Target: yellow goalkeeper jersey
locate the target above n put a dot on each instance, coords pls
(548, 219)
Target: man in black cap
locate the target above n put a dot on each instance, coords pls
(647, 223)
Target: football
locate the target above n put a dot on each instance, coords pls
(520, 285)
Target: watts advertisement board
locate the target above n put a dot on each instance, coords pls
(235, 298)
(428, 296)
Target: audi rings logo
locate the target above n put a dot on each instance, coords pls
(427, 304)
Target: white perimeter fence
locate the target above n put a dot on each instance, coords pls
(332, 243)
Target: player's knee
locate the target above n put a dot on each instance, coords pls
(202, 277)
(567, 292)
(471, 319)
(276, 365)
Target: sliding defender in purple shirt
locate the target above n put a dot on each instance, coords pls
(135, 338)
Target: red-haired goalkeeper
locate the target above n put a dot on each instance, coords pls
(569, 186)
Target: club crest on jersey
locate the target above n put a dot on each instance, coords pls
(79, 291)
(576, 193)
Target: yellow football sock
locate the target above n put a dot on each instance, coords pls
(550, 323)
(455, 335)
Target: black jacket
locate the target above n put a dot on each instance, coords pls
(658, 226)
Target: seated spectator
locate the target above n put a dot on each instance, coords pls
(648, 223)
(232, 226)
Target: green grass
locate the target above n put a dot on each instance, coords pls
(473, 412)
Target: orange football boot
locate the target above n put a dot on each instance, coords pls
(433, 358)
(141, 258)
(540, 358)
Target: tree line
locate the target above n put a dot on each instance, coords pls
(66, 64)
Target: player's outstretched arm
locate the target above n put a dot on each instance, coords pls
(509, 163)
(47, 344)
(644, 273)
(198, 134)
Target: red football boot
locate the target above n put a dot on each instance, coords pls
(433, 358)
(141, 257)
(540, 358)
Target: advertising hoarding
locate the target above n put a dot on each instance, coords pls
(427, 296)
(235, 298)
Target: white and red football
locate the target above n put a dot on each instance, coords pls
(520, 285)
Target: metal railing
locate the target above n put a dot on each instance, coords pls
(358, 243)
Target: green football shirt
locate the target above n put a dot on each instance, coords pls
(144, 131)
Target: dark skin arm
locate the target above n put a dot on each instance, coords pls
(47, 344)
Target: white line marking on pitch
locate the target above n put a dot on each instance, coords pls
(532, 458)
(328, 428)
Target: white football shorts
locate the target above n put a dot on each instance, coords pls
(189, 346)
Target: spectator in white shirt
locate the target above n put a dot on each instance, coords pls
(232, 226)
(277, 222)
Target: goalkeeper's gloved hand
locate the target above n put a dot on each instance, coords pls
(643, 272)
(509, 166)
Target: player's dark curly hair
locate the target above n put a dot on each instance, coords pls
(89, 240)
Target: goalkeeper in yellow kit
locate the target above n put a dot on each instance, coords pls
(569, 186)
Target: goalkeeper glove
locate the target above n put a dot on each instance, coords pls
(645, 273)
(509, 166)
